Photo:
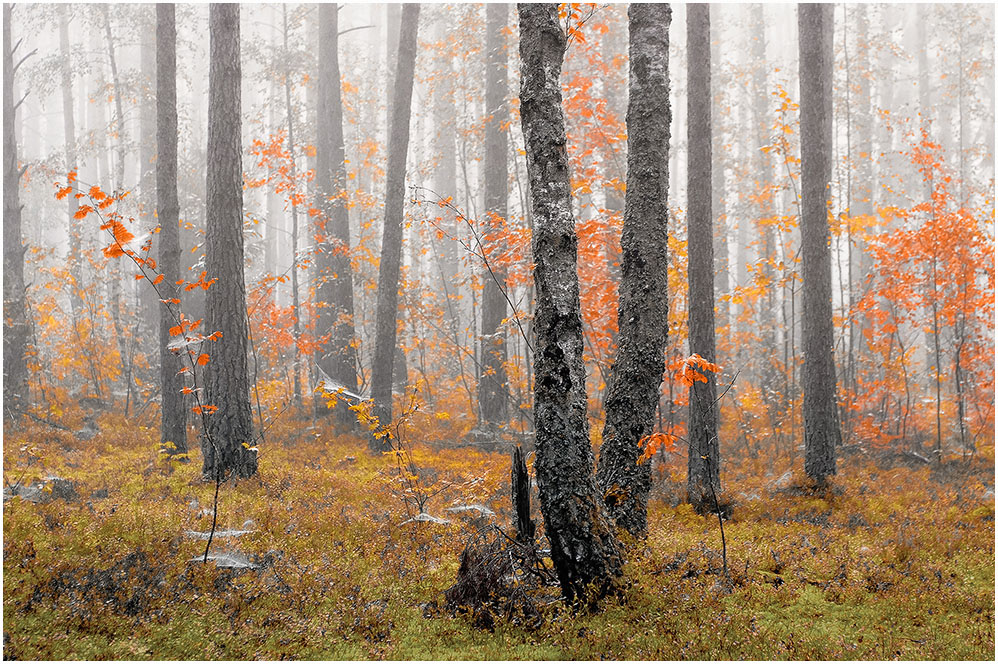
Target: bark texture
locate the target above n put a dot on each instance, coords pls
(391, 239)
(15, 315)
(704, 454)
(642, 317)
(173, 415)
(227, 378)
(492, 381)
(334, 278)
(584, 548)
(821, 420)
(520, 494)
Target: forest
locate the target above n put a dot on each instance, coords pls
(494, 332)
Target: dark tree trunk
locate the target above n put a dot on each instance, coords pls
(642, 318)
(821, 421)
(227, 379)
(704, 455)
(15, 312)
(173, 415)
(391, 243)
(584, 547)
(334, 275)
(520, 490)
(492, 381)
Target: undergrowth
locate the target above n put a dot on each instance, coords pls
(887, 563)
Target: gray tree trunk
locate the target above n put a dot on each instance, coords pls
(821, 421)
(15, 314)
(642, 318)
(584, 548)
(492, 380)
(125, 349)
(173, 414)
(334, 275)
(69, 134)
(227, 376)
(721, 263)
(704, 454)
(391, 242)
(147, 324)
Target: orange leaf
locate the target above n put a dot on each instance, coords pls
(203, 359)
(83, 212)
(158, 279)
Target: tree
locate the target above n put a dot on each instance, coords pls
(492, 381)
(642, 318)
(173, 427)
(334, 278)
(69, 136)
(391, 243)
(821, 421)
(704, 455)
(227, 445)
(16, 327)
(584, 548)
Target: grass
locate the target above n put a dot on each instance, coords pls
(889, 563)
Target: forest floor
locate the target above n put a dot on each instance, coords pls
(891, 563)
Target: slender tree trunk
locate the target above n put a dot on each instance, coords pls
(173, 415)
(147, 303)
(114, 271)
(16, 328)
(721, 263)
(492, 380)
(334, 275)
(386, 327)
(227, 445)
(293, 173)
(632, 394)
(69, 133)
(821, 421)
(763, 176)
(704, 454)
(584, 548)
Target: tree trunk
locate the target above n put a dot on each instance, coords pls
(703, 479)
(147, 302)
(821, 422)
(173, 415)
(228, 441)
(584, 548)
(293, 174)
(721, 263)
(334, 275)
(520, 490)
(69, 132)
(386, 327)
(492, 381)
(15, 312)
(632, 395)
(125, 349)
